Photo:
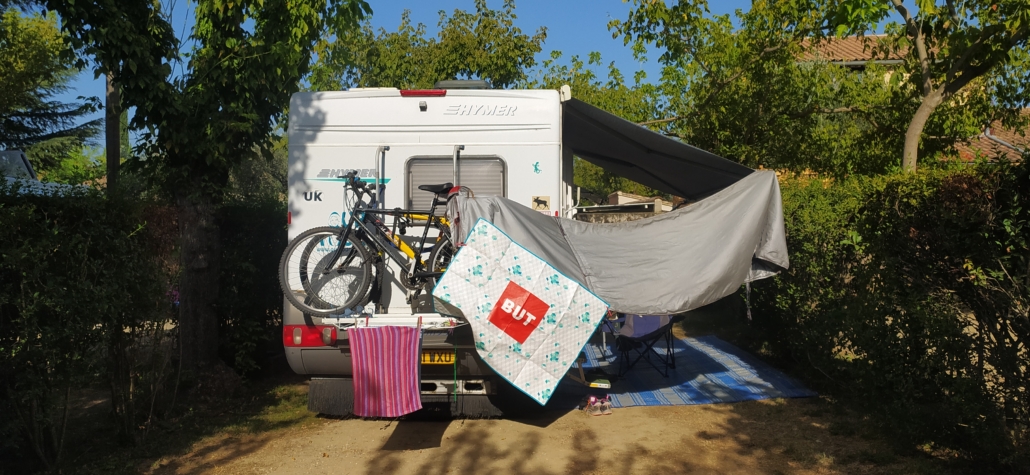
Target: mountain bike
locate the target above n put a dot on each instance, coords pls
(327, 270)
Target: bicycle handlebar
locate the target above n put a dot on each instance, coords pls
(351, 179)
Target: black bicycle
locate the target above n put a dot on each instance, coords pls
(326, 270)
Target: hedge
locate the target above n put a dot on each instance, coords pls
(87, 284)
(253, 235)
(77, 284)
(908, 295)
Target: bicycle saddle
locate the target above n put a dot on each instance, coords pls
(436, 188)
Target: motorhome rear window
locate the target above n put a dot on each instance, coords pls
(486, 175)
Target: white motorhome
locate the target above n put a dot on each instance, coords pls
(518, 144)
(495, 142)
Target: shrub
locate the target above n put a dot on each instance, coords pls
(908, 294)
(253, 234)
(77, 284)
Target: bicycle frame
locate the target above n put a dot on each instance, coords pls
(415, 215)
(381, 237)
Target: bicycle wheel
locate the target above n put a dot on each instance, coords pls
(440, 257)
(313, 288)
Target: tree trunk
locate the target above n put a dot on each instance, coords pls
(120, 378)
(112, 133)
(915, 129)
(200, 256)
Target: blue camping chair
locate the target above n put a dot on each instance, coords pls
(636, 337)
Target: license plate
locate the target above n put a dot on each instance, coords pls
(437, 357)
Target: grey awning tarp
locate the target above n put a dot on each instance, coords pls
(648, 158)
(674, 262)
(670, 263)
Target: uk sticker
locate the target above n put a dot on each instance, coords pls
(518, 312)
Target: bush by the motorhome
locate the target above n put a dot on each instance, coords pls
(77, 285)
(908, 295)
(85, 301)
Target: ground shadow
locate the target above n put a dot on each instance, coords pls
(775, 436)
(197, 435)
(785, 436)
(416, 435)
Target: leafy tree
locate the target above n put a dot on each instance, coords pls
(244, 60)
(484, 44)
(36, 64)
(952, 46)
(744, 93)
(84, 165)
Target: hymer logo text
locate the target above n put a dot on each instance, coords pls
(338, 172)
(480, 109)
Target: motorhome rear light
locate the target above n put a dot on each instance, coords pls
(309, 335)
(289, 218)
(328, 336)
(423, 92)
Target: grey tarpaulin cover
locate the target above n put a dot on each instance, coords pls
(669, 263)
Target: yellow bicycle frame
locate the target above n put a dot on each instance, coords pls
(403, 246)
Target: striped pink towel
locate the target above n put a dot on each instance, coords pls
(386, 370)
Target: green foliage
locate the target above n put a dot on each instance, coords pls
(32, 53)
(261, 178)
(484, 44)
(35, 65)
(910, 295)
(253, 238)
(745, 92)
(84, 165)
(243, 61)
(77, 282)
(237, 82)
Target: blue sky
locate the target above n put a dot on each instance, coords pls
(575, 27)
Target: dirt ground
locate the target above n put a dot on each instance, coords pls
(781, 436)
(773, 436)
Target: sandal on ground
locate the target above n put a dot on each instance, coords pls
(592, 406)
(593, 409)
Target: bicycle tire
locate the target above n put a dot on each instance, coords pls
(440, 257)
(319, 293)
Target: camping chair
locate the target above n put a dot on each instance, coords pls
(636, 337)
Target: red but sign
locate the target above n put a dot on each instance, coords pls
(518, 312)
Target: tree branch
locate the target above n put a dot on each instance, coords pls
(693, 53)
(909, 22)
(964, 59)
(920, 43)
(836, 110)
(662, 121)
(967, 75)
(953, 13)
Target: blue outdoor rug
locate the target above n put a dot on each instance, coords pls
(708, 370)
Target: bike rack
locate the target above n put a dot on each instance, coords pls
(380, 167)
(454, 168)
